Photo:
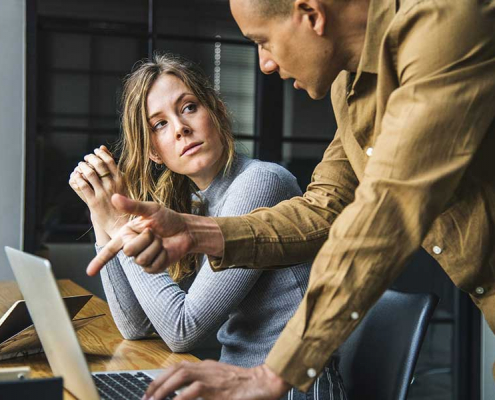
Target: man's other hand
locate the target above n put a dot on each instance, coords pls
(211, 380)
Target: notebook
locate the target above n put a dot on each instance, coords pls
(18, 336)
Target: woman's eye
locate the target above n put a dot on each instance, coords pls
(190, 107)
(159, 125)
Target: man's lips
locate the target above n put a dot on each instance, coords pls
(189, 148)
(296, 84)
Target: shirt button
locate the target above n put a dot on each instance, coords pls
(437, 249)
(354, 315)
(369, 151)
(479, 290)
(311, 372)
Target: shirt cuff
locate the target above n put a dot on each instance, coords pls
(298, 361)
(239, 246)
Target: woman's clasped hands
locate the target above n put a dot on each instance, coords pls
(95, 180)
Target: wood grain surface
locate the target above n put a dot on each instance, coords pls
(104, 347)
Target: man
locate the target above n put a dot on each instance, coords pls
(411, 164)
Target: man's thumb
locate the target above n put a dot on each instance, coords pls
(133, 207)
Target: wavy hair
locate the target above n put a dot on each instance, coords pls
(142, 180)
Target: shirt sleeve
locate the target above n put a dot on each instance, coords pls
(293, 231)
(433, 124)
(130, 318)
(185, 319)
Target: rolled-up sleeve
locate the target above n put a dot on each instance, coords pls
(432, 125)
(294, 230)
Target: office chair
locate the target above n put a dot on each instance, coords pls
(377, 361)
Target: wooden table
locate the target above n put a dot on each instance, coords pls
(104, 347)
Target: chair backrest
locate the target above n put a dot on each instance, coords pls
(377, 361)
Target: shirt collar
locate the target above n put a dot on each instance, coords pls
(380, 15)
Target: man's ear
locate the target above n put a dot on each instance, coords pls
(311, 12)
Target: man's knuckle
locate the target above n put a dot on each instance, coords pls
(183, 374)
(157, 263)
(128, 250)
(143, 259)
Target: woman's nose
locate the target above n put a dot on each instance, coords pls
(182, 130)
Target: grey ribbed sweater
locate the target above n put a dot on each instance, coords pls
(250, 307)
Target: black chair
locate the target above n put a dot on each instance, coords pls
(377, 361)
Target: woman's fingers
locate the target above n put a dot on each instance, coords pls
(105, 149)
(98, 165)
(73, 184)
(104, 154)
(84, 187)
(91, 175)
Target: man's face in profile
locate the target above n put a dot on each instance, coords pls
(289, 45)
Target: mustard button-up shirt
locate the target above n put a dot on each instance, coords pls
(412, 163)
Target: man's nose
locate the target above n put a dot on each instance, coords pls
(267, 64)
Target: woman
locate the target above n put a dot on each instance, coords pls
(178, 150)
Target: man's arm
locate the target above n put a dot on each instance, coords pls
(433, 124)
(294, 230)
(443, 55)
(291, 232)
(178, 235)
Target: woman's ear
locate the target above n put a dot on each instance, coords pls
(155, 157)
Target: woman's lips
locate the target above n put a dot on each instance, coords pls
(192, 149)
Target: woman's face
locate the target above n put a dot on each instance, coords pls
(183, 135)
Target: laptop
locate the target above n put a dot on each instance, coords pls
(50, 318)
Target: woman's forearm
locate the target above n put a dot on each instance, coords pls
(102, 238)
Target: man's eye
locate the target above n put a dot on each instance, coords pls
(159, 125)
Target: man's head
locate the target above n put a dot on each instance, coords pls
(310, 41)
(272, 8)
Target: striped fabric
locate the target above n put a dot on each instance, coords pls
(328, 386)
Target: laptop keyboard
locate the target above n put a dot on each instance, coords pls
(123, 386)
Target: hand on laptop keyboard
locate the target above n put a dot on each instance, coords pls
(123, 386)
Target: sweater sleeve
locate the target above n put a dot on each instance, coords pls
(127, 313)
(184, 319)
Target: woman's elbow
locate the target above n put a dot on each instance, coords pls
(131, 333)
(179, 343)
(179, 346)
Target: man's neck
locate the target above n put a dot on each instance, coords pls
(354, 23)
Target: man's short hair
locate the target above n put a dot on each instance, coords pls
(273, 8)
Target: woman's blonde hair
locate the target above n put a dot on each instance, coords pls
(142, 179)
